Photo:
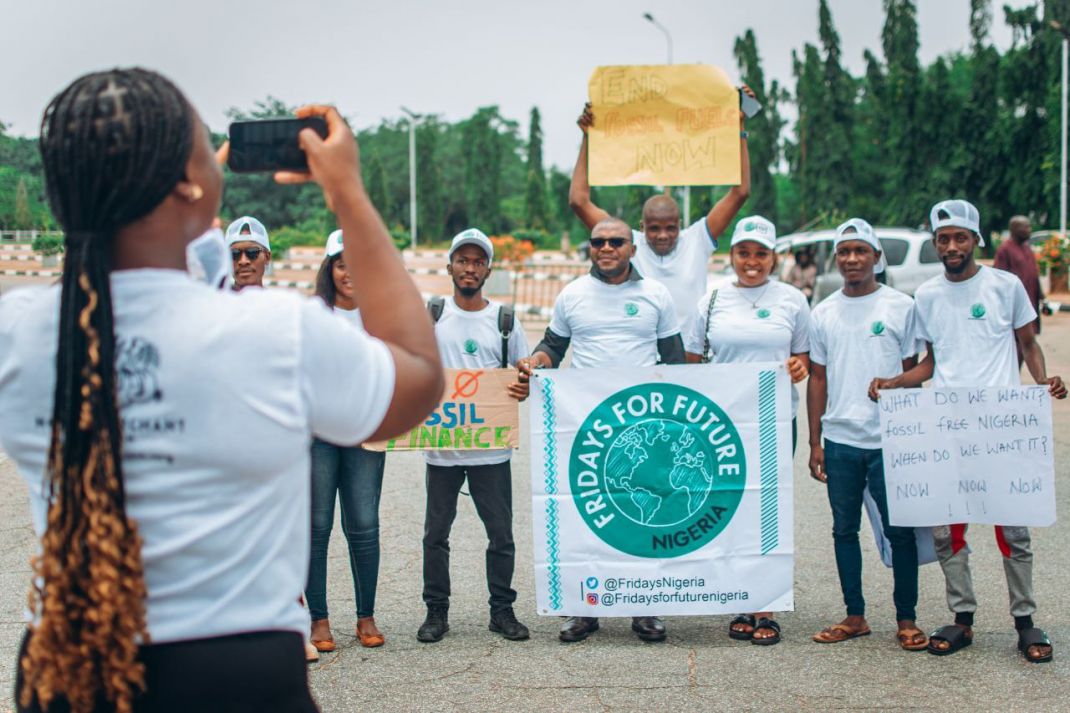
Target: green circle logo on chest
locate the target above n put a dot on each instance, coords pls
(657, 470)
(470, 346)
(763, 313)
(877, 328)
(631, 309)
(977, 311)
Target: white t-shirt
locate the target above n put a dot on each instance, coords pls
(614, 325)
(971, 327)
(220, 395)
(471, 340)
(858, 339)
(739, 332)
(352, 315)
(684, 270)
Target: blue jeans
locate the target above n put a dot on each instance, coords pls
(849, 471)
(356, 475)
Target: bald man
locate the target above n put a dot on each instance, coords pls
(1017, 257)
(663, 252)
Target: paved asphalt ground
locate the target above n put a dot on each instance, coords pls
(698, 667)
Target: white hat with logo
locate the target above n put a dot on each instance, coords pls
(757, 229)
(334, 244)
(956, 213)
(248, 228)
(473, 236)
(858, 229)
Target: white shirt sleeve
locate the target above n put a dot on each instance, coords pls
(695, 335)
(800, 336)
(518, 343)
(1023, 309)
(911, 345)
(668, 324)
(559, 317)
(347, 376)
(917, 315)
(818, 347)
(701, 232)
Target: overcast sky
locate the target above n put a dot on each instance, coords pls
(447, 57)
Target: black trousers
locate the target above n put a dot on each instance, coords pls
(259, 672)
(491, 487)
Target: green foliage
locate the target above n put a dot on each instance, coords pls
(47, 244)
(535, 212)
(539, 238)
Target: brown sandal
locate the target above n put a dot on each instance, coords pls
(839, 632)
(908, 639)
(369, 641)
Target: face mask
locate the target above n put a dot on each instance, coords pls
(207, 259)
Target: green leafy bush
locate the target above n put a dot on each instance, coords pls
(48, 244)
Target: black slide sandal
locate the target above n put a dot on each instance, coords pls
(954, 635)
(766, 623)
(747, 619)
(1034, 637)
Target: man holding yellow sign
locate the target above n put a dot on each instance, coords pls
(665, 125)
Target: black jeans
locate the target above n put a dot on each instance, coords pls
(258, 672)
(491, 487)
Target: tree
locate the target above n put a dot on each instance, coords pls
(535, 214)
(429, 182)
(764, 129)
(905, 154)
(23, 214)
(378, 190)
(483, 170)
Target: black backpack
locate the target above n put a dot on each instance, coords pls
(506, 320)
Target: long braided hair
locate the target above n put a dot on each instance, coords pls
(113, 144)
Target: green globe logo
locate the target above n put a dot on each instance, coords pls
(763, 313)
(657, 470)
(877, 328)
(470, 346)
(749, 227)
(977, 311)
(631, 309)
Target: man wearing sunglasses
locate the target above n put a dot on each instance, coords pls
(665, 251)
(250, 251)
(611, 317)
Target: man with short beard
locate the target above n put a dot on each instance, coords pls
(612, 317)
(971, 317)
(470, 335)
(675, 257)
(250, 251)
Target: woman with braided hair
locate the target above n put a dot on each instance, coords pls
(169, 482)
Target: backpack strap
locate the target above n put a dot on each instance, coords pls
(506, 321)
(435, 305)
(706, 353)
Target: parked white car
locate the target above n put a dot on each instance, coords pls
(910, 254)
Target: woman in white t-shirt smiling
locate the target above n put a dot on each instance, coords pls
(754, 319)
(171, 562)
(354, 476)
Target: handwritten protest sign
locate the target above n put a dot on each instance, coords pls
(475, 413)
(663, 125)
(959, 455)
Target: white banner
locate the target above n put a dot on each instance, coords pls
(663, 490)
(980, 455)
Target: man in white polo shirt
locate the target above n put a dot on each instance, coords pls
(611, 317)
(971, 317)
(250, 251)
(861, 330)
(678, 258)
(471, 332)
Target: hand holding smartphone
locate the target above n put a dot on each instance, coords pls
(271, 145)
(748, 105)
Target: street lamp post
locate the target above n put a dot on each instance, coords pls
(668, 42)
(1058, 27)
(413, 118)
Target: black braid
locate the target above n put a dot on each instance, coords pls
(113, 146)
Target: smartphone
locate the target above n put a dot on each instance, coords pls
(748, 105)
(270, 144)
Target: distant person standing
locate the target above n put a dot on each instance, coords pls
(250, 250)
(803, 274)
(1015, 256)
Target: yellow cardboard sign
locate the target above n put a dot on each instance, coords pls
(663, 125)
(475, 413)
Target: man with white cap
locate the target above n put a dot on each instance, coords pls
(860, 330)
(612, 317)
(970, 318)
(250, 251)
(754, 319)
(473, 333)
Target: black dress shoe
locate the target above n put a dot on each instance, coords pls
(505, 623)
(578, 628)
(434, 627)
(648, 628)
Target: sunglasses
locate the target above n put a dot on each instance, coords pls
(616, 243)
(250, 253)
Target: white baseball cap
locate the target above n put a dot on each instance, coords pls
(956, 213)
(472, 236)
(257, 233)
(858, 229)
(334, 244)
(757, 229)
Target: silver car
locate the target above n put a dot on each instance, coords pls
(910, 254)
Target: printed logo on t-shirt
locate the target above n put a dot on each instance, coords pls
(877, 328)
(763, 313)
(470, 346)
(631, 309)
(977, 311)
(136, 362)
